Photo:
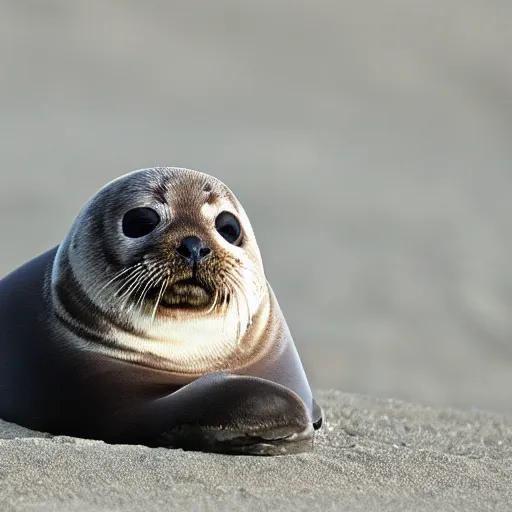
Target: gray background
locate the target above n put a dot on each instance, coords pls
(369, 141)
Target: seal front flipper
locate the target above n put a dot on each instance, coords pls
(234, 414)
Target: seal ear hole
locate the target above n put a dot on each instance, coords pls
(228, 227)
(140, 222)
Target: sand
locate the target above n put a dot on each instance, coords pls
(371, 455)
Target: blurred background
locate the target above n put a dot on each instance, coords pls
(370, 143)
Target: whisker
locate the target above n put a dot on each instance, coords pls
(153, 279)
(117, 276)
(240, 293)
(238, 283)
(246, 299)
(238, 268)
(134, 288)
(225, 293)
(144, 288)
(214, 303)
(130, 283)
(159, 298)
(234, 297)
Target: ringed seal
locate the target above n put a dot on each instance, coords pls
(153, 323)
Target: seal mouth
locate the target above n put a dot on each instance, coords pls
(187, 293)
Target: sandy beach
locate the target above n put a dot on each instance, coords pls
(371, 455)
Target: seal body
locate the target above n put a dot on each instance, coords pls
(153, 323)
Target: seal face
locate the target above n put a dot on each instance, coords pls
(159, 290)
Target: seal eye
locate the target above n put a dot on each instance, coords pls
(229, 228)
(140, 222)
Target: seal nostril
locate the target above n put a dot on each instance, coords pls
(193, 249)
(204, 252)
(184, 251)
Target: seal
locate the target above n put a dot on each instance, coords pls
(153, 323)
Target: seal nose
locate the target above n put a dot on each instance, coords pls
(193, 249)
